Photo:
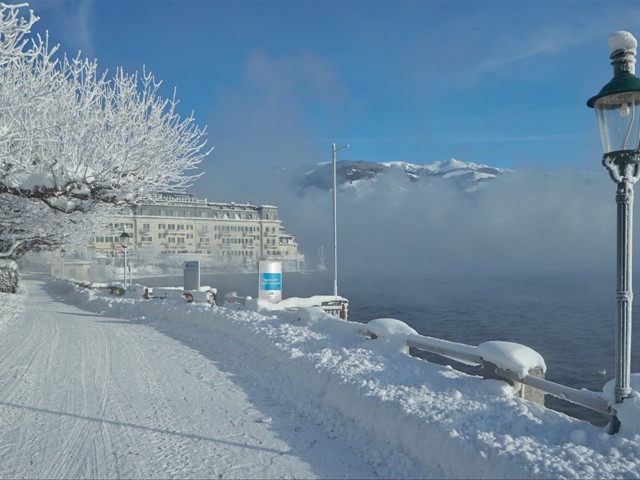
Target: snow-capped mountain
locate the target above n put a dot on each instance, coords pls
(464, 175)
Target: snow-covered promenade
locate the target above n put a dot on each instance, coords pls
(93, 385)
(85, 395)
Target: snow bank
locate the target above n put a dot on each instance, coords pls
(292, 303)
(134, 291)
(11, 307)
(407, 417)
(202, 296)
(169, 293)
(628, 412)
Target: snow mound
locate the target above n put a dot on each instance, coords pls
(628, 412)
(385, 327)
(622, 40)
(294, 302)
(512, 356)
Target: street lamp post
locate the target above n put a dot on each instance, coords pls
(124, 243)
(335, 220)
(62, 252)
(617, 108)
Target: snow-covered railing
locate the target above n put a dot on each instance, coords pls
(517, 364)
(584, 397)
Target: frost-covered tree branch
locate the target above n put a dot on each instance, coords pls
(30, 226)
(13, 33)
(72, 139)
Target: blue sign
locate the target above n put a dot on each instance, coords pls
(271, 281)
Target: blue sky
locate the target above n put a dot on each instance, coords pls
(277, 81)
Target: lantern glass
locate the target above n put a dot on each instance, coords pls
(124, 239)
(619, 121)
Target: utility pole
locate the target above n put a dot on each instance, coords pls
(335, 222)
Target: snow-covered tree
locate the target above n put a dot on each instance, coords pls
(72, 139)
(31, 226)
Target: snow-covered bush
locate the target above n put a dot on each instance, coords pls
(8, 276)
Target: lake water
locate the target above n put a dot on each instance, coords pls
(569, 321)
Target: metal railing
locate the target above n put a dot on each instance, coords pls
(468, 355)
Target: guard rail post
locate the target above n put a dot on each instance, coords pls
(526, 392)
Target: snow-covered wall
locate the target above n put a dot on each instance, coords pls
(449, 423)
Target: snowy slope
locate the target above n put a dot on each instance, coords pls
(405, 417)
(464, 175)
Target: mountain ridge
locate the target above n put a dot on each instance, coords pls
(467, 176)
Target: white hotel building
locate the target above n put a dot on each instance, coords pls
(216, 233)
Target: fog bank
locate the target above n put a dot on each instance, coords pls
(522, 223)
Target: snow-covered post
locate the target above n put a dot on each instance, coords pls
(617, 110)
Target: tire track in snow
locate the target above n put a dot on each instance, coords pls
(65, 395)
(20, 351)
(79, 455)
(110, 398)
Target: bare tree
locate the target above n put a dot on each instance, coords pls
(72, 139)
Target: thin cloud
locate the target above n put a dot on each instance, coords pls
(269, 117)
(484, 138)
(547, 41)
(69, 22)
(578, 27)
